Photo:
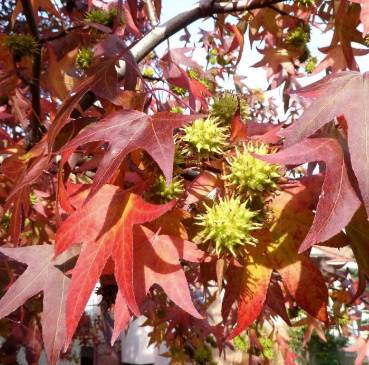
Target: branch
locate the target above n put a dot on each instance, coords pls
(60, 34)
(19, 73)
(143, 47)
(162, 32)
(37, 128)
(282, 12)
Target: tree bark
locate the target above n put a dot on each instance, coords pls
(36, 128)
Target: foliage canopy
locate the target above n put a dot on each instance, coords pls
(137, 171)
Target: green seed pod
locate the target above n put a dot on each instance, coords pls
(203, 355)
(305, 3)
(212, 60)
(241, 343)
(250, 175)
(268, 349)
(205, 136)
(193, 74)
(84, 58)
(177, 109)
(33, 198)
(179, 90)
(21, 45)
(148, 72)
(228, 224)
(104, 17)
(366, 40)
(310, 64)
(207, 83)
(179, 157)
(5, 219)
(225, 106)
(298, 37)
(344, 319)
(167, 193)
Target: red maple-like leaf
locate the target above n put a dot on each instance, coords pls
(343, 93)
(177, 76)
(275, 300)
(278, 249)
(288, 356)
(157, 261)
(180, 56)
(101, 77)
(254, 287)
(338, 201)
(178, 319)
(126, 131)
(122, 315)
(311, 325)
(238, 128)
(202, 187)
(40, 275)
(361, 346)
(107, 220)
(335, 58)
(357, 232)
(364, 14)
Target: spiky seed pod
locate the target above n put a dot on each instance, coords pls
(21, 45)
(202, 355)
(298, 37)
(225, 106)
(193, 74)
(33, 198)
(228, 224)
(179, 90)
(207, 83)
(5, 219)
(212, 56)
(167, 193)
(366, 40)
(310, 64)
(241, 343)
(179, 156)
(250, 175)
(268, 350)
(84, 58)
(212, 60)
(343, 319)
(177, 109)
(104, 17)
(148, 72)
(205, 136)
(305, 3)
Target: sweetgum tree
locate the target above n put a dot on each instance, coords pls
(135, 169)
